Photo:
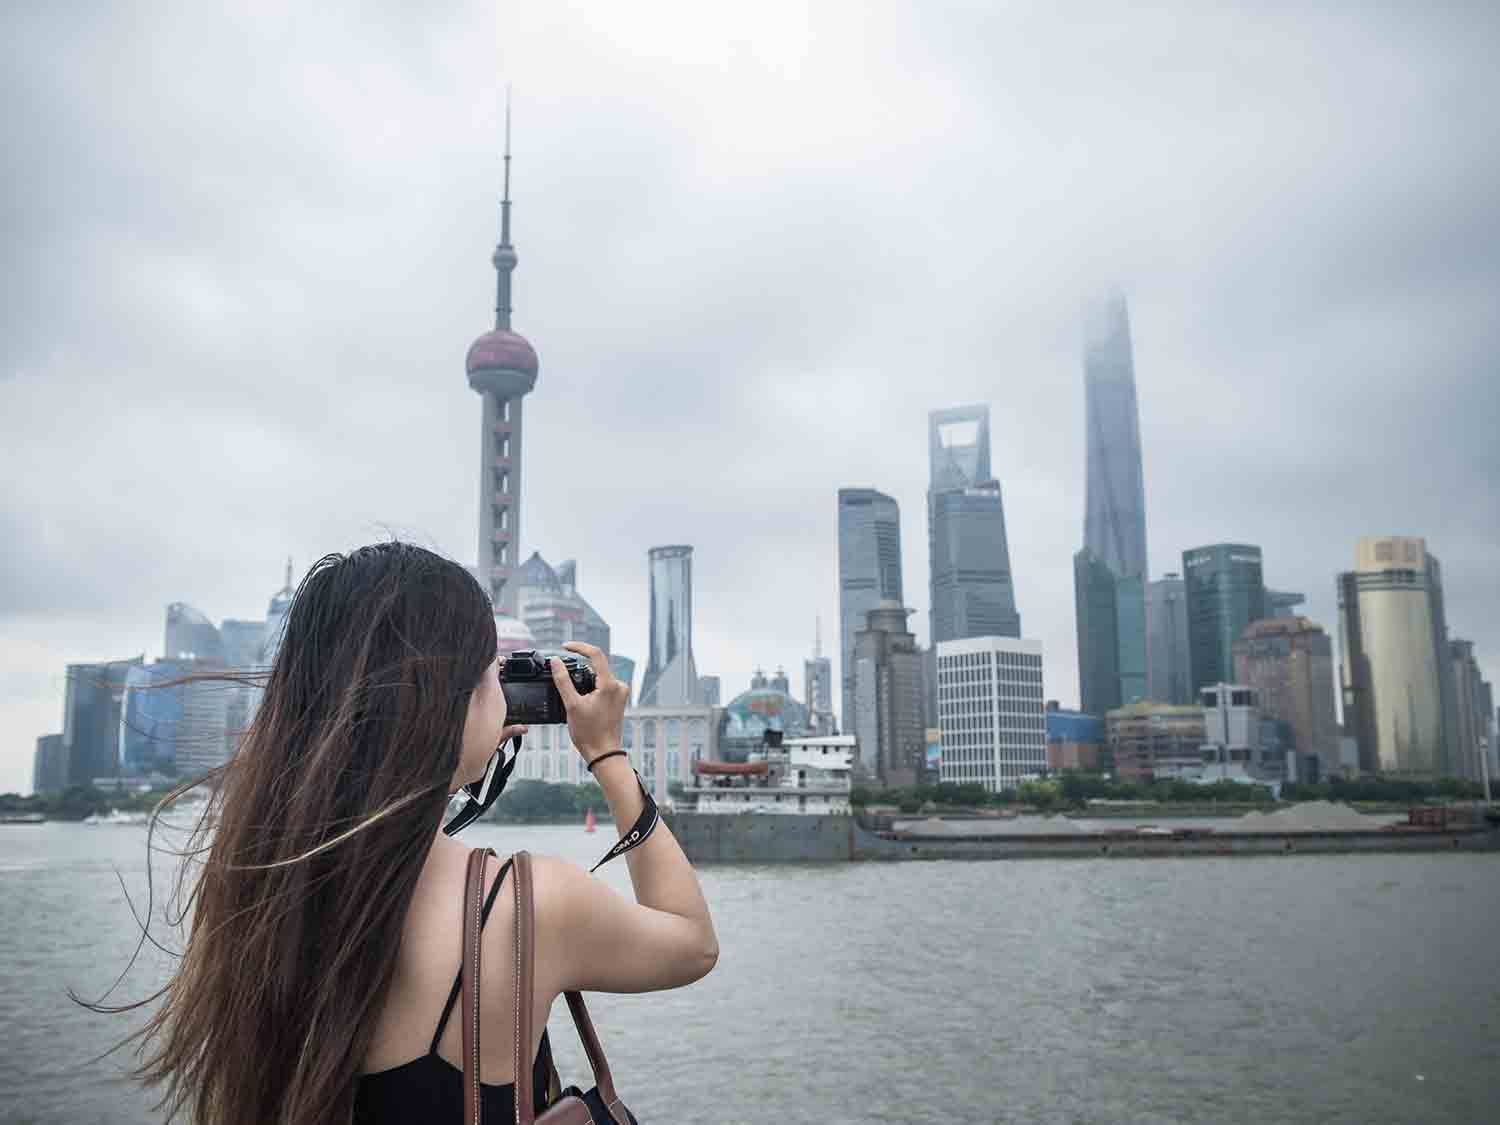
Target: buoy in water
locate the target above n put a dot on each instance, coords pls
(588, 821)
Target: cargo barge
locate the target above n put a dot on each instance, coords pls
(770, 838)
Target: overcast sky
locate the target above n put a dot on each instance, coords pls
(245, 255)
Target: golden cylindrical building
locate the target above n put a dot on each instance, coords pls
(1390, 629)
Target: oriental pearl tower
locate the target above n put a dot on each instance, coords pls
(502, 367)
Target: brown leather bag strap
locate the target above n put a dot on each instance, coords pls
(525, 985)
(595, 1051)
(469, 981)
(525, 982)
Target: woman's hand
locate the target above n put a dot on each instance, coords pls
(594, 720)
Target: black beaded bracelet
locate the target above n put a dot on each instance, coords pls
(601, 757)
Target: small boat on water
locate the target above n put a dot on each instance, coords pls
(23, 818)
(115, 816)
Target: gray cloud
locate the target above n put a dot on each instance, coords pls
(247, 253)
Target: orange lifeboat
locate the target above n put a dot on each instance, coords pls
(731, 769)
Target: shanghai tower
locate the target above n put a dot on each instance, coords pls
(1114, 524)
(1109, 573)
(502, 367)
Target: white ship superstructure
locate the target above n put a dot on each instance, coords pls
(802, 776)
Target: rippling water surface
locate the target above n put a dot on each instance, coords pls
(1284, 989)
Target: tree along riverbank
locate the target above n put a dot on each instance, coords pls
(523, 802)
(542, 802)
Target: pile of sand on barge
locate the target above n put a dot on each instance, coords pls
(1309, 816)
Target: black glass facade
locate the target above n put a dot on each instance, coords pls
(1225, 592)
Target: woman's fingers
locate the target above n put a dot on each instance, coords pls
(595, 656)
(564, 682)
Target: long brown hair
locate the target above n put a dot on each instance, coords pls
(315, 836)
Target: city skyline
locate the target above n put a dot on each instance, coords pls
(710, 314)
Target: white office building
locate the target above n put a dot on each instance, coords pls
(992, 711)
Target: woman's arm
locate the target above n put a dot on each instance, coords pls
(589, 937)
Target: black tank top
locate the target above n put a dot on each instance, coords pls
(430, 1088)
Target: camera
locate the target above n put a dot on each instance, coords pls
(530, 695)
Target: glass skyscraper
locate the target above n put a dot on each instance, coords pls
(1111, 616)
(1109, 573)
(1114, 524)
(176, 728)
(1168, 676)
(671, 678)
(92, 703)
(1225, 592)
(971, 588)
(190, 635)
(623, 669)
(869, 573)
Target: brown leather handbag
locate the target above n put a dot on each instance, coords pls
(599, 1106)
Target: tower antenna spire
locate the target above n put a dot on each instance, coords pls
(505, 198)
(505, 254)
(818, 637)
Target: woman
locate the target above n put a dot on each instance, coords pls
(327, 926)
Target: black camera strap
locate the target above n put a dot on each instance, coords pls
(644, 825)
(483, 793)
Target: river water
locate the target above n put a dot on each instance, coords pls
(1282, 989)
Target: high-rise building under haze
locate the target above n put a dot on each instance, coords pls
(190, 635)
(971, 588)
(1109, 572)
(887, 717)
(869, 573)
(1225, 592)
(1110, 612)
(1283, 603)
(1466, 755)
(1394, 658)
(623, 669)
(92, 703)
(548, 603)
(817, 686)
(671, 678)
(1168, 677)
(49, 767)
(1288, 661)
(1114, 524)
(502, 366)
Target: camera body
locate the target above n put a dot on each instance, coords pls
(530, 695)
